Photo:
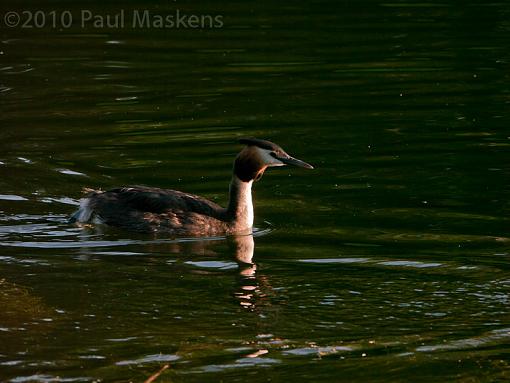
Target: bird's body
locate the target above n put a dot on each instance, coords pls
(147, 209)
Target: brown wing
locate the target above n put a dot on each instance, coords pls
(140, 207)
(156, 200)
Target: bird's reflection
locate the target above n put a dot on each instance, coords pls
(244, 247)
(253, 290)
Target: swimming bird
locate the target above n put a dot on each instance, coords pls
(148, 209)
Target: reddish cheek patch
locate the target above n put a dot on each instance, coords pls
(248, 165)
(259, 175)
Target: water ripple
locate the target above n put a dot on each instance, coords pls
(48, 379)
(221, 265)
(149, 359)
(12, 197)
(493, 337)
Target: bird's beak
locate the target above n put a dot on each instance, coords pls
(294, 161)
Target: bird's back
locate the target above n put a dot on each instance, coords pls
(148, 209)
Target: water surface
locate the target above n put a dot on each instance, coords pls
(387, 263)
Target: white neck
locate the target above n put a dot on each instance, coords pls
(240, 204)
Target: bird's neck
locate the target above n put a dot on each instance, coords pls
(240, 204)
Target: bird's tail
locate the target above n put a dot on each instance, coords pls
(84, 212)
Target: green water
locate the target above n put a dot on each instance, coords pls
(388, 263)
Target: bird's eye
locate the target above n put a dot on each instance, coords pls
(273, 154)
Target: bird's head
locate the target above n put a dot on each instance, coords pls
(258, 155)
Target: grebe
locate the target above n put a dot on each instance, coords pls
(148, 209)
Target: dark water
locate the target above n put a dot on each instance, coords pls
(389, 262)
